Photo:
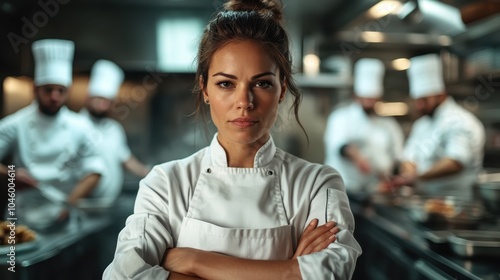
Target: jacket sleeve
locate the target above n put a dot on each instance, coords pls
(330, 203)
(88, 137)
(464, 141)
(336, 136)
(147, 234)
(8, 135)
(397, 140)
(417, 140)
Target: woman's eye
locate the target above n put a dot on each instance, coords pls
(263, 84)
(224, 84)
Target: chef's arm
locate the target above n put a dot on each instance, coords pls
(352, 153)
(441, 168)
(3, 169)
(407, 169)
(178, 276)
(133, 165)
(210, 265)
(22, 175)
(84, 188)
(314, 238)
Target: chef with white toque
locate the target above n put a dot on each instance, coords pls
(48, 142)
(110, 139)
(444, 151)
(363, 146)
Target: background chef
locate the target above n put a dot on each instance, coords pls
(444, 151)
(49, 142)
(105, 81)
(361, 145)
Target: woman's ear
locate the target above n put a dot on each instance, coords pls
(283, 89)
(202, 87)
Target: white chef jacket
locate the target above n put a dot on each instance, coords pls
(55, 149)
(111, 143)
(172, 196)
(380, 140)
(452, 132)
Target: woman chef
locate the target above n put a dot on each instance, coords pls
(444, 151)
(237, 209)
(361, 145)
(50, 143)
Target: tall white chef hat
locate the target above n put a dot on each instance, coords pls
(369, 78)
(105, 79)
(53, 62)
(425, 76)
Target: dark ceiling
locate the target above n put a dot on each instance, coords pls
(123, 30)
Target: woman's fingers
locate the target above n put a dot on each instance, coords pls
(315, 239)
(302, 245)
(310, 227)
(321, 238)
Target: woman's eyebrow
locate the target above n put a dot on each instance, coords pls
(234, 77)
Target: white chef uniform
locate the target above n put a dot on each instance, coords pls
(55, 149)
(111, 142)
(255, 213)
(451, 132)
(380, 139)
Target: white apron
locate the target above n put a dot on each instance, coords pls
(238, 212)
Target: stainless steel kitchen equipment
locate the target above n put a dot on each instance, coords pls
(445, 213)
(475, 243)
(489, 193)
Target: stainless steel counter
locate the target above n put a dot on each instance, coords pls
(395, 247)
(71, 252)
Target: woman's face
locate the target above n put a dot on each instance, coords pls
(244, 91)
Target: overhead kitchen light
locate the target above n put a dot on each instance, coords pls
(401, 64)
(373, 36)
(384, 8)
(391, 108)
(311, 64)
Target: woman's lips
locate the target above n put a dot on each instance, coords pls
(243, 122)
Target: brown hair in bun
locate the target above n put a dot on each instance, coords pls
(264, 7)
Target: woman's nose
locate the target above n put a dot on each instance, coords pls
(245, 99)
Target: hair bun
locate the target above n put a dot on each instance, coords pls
(271, 8)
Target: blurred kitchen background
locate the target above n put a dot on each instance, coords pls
(155, 42)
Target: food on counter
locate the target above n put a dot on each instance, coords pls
(439, 206)
(22, 234)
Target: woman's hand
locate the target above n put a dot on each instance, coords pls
(180, 260)
(315, 239)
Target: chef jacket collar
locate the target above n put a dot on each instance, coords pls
(94, 120)
(443, 108)
(263, 156)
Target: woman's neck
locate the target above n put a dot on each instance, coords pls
(242, 155)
